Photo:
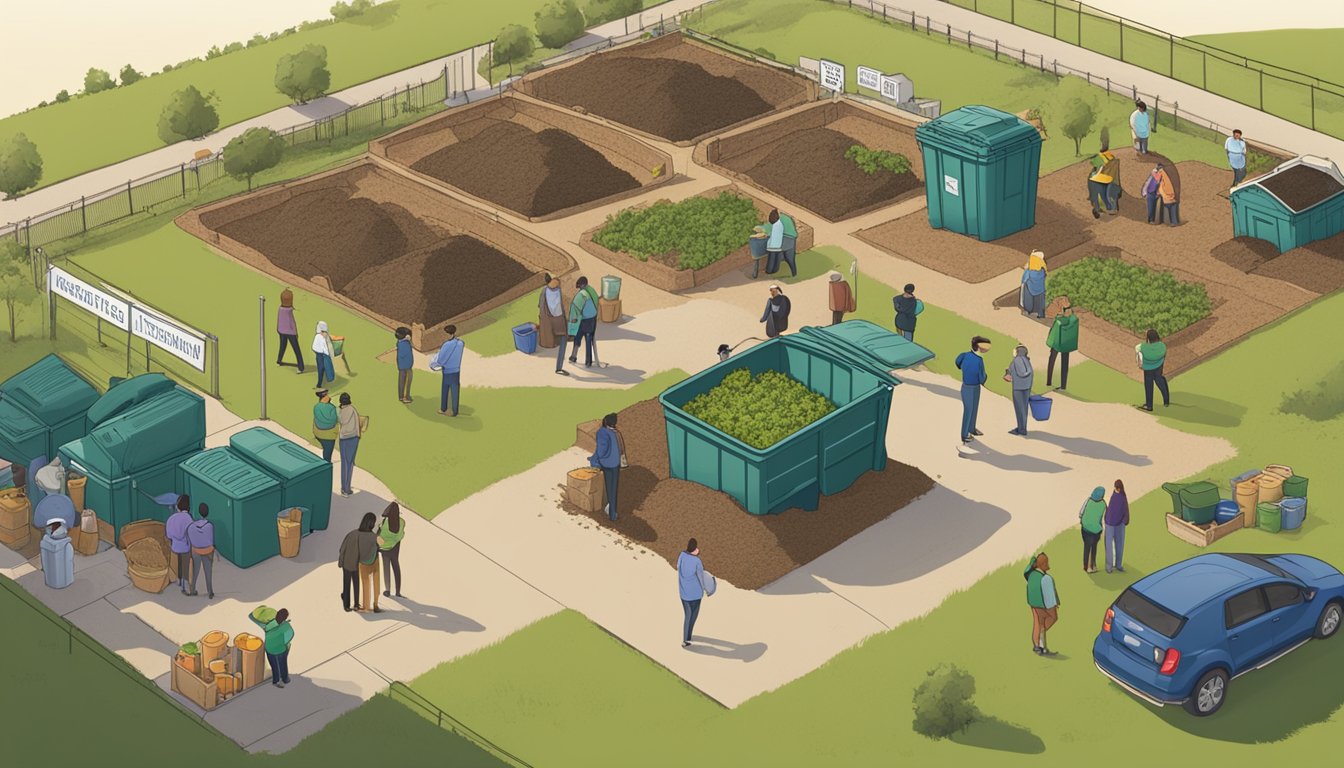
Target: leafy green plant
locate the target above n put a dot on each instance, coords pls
(870, 161)
(697, 232)
(1131, 296)
(942, 702)
(760, 411)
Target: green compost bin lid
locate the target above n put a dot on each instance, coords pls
(888, 349)
(148, 434)
(277, 455)
(49, 390)
(977, 131)
(16, 426)
(127, 394)
(229, 473)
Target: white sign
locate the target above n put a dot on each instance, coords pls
(897, 88)
(95, 300)
(869, 78)
(183, 344)
(808, 65)
(832, 75)
(951, 186)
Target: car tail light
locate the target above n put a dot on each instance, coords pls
(1170, 662)
(1106, 622)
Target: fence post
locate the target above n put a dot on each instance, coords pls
(1313, 107)
(382, 111)
(913, 27)
(1157, 110)
(968, 39)
(1055, 65)
(996, 50)
(1054, 20)
(214, 371)
(1080, 27)
(1262, 90)
(182, 168)
(261, 347)
(949, 34)
(130, 202)
(1204, 77)
(1171, 57)
(1122, 39)
(1012, 13)
(1134, 92)
(83, 217)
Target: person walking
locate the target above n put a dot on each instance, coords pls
(1020, 373)
(790, 249)
(776, 315)
(1033, 285)
(405, 364)
(326, 354)
(972, 366)
(448, 360)
(1171, 204)
(1153, 197)
(551, 325)
(1152, 356)
(390, 534)
(201, 536)
(277, 634)
(841, 298)
(176, 532)
(1043, 600)
(287, 330)
(583, 322)
(350, 430)
(1235, 147)
(1139, 127)
(1091, 517)
(907, 311)
(774, 243)
(690, 574)
(1062, 339)
(1104, 169)
(358, 546)
(326, 423)
(609, 457)
(1117, 519)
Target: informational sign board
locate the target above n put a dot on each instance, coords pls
(89, 298)
(952, 186)
(832, 75)
(898, 88)
(186, 345)
(869, 78)
(808, 65)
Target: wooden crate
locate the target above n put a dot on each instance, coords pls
(202, 694)
(1201, 535)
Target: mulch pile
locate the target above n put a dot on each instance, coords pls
(533, 173)
(748, 551)
(1302, 186)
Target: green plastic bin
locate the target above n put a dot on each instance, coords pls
(1295, 487)
(41, 408)
(1199, 502)
(1174, 489)
(305, 479)
(243, 503)
(980, 171)
(850, 364)
(1269, 517)
(125, 395)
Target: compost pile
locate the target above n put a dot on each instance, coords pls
(811, 167)
(761, 410)
(532, 172)
(1302, 186)
(146, 554)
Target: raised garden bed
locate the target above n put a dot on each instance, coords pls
(1131, 296)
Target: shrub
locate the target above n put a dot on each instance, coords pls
(20, 165)
(129, 75)
(62, 96)
(257, 39)
(303, 76)
(559, 23)
(255, 150)
(188, 115)
(760, 411)
(870, 161)
(213, 53)
(1078, 118)
(513, 44)
(1131, 296)
(342, 10)
(698, 231)
(943, 703)
(1324, 401)
(96, 80)
(233, 47)
(602, 11)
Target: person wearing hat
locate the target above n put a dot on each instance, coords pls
(325, 424)
(776, 315)
(1171, 204)
(1091, 516)
(842, 298)
(326, 353)
(1033, 285)
(287, 330)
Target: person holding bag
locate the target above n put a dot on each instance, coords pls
(610, 458)
(693, 582)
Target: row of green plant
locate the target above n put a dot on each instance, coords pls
(870, 161)
(698, 231)
(759, 410)
(557, 24)
(1131, 296)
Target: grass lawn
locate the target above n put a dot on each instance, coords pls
(1295, 49)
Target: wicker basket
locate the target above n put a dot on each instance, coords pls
(153, 580)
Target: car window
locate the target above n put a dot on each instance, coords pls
(1282, 595)
(1242, 608)
(1149, 613)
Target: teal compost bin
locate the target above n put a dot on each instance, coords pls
(1299, 202)
(305, 479)
(125, 395)
(41, 408)
(850, 364)
(243, 501)
(980, 169)
(133, 457)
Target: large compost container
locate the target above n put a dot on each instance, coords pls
(980, 170)
(849, 364)
(305, 479)
(41, 408)
(243, 503)
(133, 457)
(125, 395)
(1297, 203)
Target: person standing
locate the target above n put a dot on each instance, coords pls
(286, 329)
(1104, 169)
(1139, 127)
(326, 423)
(405, 364)
(583, 322)
(972, 366)
(1117, 519)
(1043, 600)
(551, 323)
(689, 574)
(1062, 339)
(390, 534)
(1152, 356)
(790, 250)
(277, 633)
(449, 361)
(1091, 517)
(357, 546)
(1171, 204)
(1153, 197)
(326, 354)
(368, 561)
(1021, 375)
(201, 536)
(609, 457)
(776, 315)
(176, 531)
(1236, 156)
(350, 430)
(1033, 285)
(774, 243)
(907, 311)
(842, 298)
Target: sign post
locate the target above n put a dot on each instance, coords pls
(261, 346)
(831, 75)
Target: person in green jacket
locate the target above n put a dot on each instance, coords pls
(1152, 356)
(1043, 601)
(279, 633)
(325, 419)
(390, 533)
(1062, 339)
(1090, 516)
(790, 243)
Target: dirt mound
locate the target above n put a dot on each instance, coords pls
(1302, 186)
(1245, 253)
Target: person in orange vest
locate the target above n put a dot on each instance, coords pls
(842, 298)
(1166, 190)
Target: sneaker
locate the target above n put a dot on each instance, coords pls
(977, 433)
(386, 593)
(279, 685)
(1096, 214)
(573, 360)
(1036, 649)
(376, 609)
(1015, 432)
(1118, 568)
(1147, 408)
(686, 644)
(562, 372)
(1047, 652)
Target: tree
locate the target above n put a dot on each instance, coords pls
(602, 11)
(187, 115)
(214, 52)
(233, 47)
(256, 150)
(559, 23)
(1078, 119)
(342, 10)
(257, 39)
(20, 165)
(303, 76)
(16, 281)
(62, 96)
(129, 75)
(514, 43)
(96, 80)
(943, 703)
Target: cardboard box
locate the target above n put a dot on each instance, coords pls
(202, 694)
(588, 502)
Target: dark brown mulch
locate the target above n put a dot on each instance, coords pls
(1317, 267)
(1301, 186)
(748, 551)
(533, 173)
(1245, 253)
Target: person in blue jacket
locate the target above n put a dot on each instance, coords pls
(405, 364)
(690, 587)
(610, 452)
(972, 366)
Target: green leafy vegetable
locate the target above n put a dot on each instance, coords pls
(1133, 297)
(697, 232)
(759, 411)
(870, 161)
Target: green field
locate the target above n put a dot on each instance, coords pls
(1295, 49)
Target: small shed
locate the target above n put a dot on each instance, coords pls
(1297, 203)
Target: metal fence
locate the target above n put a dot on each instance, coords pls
(400, 692)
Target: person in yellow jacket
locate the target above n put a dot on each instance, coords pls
(1105, 171)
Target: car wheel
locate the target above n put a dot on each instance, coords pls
(1331, 618)
(1209, 694)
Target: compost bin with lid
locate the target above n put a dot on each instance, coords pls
(243, 503)
(41, 408)
(849, 364)
(125, 395)
(1297, 203)
(305, 479)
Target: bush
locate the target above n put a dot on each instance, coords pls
(257, 39)
(1133, 297)
(256, 150)
(20, 165)
(62, 96)
(698, 231)
(96, 80)
(513, 44)
(943, 703)
(303, 76)
(233, 47)
(602, 11)
(342, 10)
(129, 75)
(188, 115)
(870, 161)
(759, 411)
(1323, 401)
(559, 23)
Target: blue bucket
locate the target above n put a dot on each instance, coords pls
(1226, 511)
(1040, 407)
(1294, 513)
(525, 338)
(757, 245)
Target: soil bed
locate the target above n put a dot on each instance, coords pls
(1301, 186)
(748, 551)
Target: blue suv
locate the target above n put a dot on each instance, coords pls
(1182, 634)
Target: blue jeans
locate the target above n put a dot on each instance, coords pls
(1155, 209)
(1143, 144)
(611, 477)
(325, 369)
(691, 609)
(349, 446)
(1099, 195)
(1173, 211)
(279, 666)
(1021, 399)
(970, 408)
(1115, 547)
(909, 335)
(587, 331)
(1238, 174)
(452, 385)
(327, 447)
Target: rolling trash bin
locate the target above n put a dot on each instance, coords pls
(525, 338)
(1040, 407)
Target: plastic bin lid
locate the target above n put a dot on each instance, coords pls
(126, 394)
(49, 390)
(978, 129)
(148, 434)
(274, 453)
(16, 424)
(888, 349)
(229, 473)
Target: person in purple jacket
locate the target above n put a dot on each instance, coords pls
(1117, 518)
(201, 536)
(1153, 197)
(176, 531)
(287, 330)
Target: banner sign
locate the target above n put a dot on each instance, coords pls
(832, 75)
(94, 300)
(181, 343)
(869, 78)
